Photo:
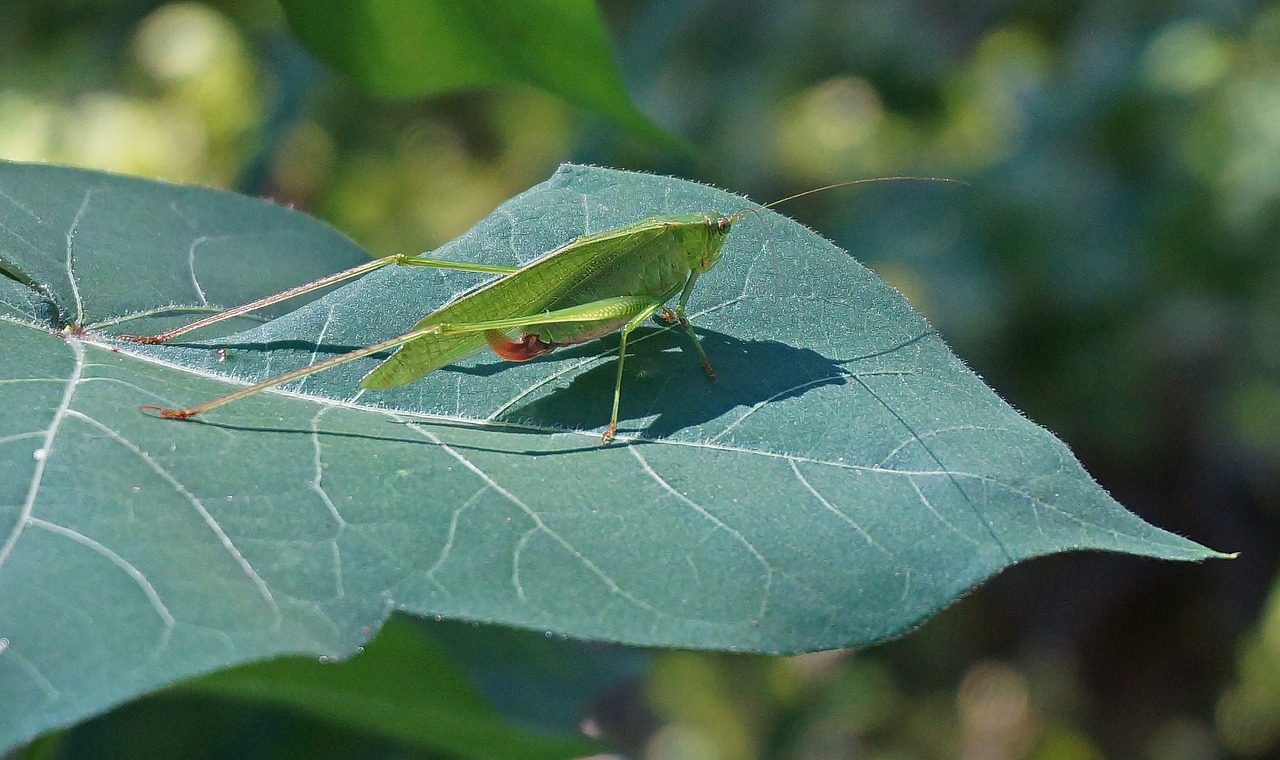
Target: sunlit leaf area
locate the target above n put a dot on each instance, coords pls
(1107, 261)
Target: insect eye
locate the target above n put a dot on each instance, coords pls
(723, 223)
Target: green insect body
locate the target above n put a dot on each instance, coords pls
(590, 287)
(606, 279)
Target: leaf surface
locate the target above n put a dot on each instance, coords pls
(844, 478)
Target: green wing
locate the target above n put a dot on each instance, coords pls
(526, 292)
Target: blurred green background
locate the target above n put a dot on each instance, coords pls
(1110, 268)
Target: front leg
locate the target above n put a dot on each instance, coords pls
(635, 322)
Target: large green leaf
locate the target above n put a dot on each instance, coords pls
(406, 48)
(844, 478)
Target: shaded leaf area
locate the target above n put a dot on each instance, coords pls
(401, 693)
(844, 478)
(414, 48)
(403, 686)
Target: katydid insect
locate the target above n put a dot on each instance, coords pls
(585, 289)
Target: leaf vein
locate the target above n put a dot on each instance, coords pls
(317, 485)
(836, 511)
(71, 259)
(37, 477)
(191, 268)
(136, 575)
(223, 539)
(662, 483)
(541, 525)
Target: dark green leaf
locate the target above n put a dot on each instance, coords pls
(402, 685)
(408, 48)
(844, 478)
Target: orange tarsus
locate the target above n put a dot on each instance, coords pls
(168, 414)
(528, 347)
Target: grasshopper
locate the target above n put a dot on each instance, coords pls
(587, 288)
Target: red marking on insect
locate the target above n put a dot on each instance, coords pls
(528, 347)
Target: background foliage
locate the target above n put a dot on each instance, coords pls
(1111, 270)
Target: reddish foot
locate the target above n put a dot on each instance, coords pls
(168, 414)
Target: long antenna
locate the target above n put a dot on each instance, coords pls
(865, 181)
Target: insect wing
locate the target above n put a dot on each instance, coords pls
(526, 292)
